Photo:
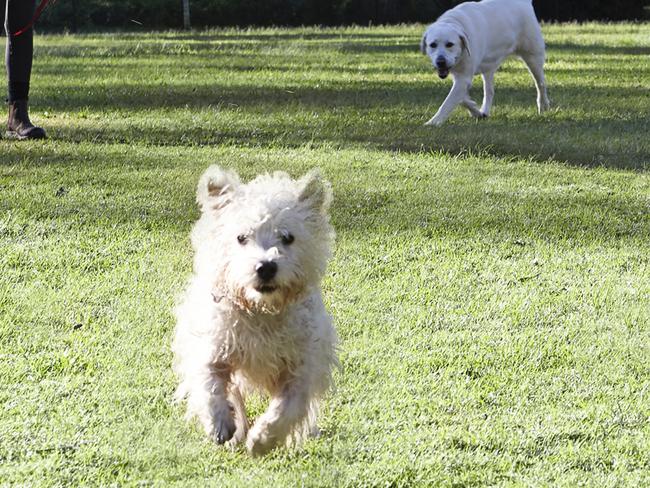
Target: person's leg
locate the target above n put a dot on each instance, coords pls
(3, 8)
(19, 49)
(18, 13)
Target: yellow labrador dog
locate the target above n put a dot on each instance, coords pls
(475, 38)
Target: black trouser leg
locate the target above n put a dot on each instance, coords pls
(18, 13)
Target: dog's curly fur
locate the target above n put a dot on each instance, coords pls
(237, 332)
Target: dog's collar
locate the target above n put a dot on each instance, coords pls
(218, 296)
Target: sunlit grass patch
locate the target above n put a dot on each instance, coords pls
(490, 284)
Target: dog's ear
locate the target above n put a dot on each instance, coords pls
(423, 43)
(464, 42)
(215, 188)
(315, 192)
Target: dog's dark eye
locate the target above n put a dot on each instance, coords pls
(449, 44)
(433, 45)
(287, 239)
(242, 239)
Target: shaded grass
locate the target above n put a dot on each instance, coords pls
(346, 86)
(490, 284)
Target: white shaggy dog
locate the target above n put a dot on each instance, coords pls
(475, 38)
(253, 317)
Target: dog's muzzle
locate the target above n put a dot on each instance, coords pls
(441, 66)
(266, 271)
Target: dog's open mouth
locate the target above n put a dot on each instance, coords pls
(443, 72)
(266, 288)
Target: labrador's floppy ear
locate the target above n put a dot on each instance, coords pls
(423, 43)
(464, 42)
(215, 188)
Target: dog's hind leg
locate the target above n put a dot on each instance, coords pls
(488, 93)
(535, 63)
(471, 105)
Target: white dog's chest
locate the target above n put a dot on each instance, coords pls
(261, 351)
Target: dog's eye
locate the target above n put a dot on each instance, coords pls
(449, 44)
(287, 239)
(242, 239)
(433, 45)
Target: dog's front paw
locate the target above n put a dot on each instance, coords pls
(238, 437)
(223, 428)
(434, 122)
(260, 441)
(543, 106)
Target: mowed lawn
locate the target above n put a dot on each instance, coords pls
(490, 284)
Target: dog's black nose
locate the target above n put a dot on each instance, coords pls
(441, 62)
(266, 270)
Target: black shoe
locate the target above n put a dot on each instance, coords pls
(19, 125)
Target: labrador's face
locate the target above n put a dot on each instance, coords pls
(445, 46)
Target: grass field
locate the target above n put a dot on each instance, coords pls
(490, 285)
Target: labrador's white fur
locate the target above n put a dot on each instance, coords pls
(475, 38)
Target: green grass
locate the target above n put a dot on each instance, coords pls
(490, 285)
